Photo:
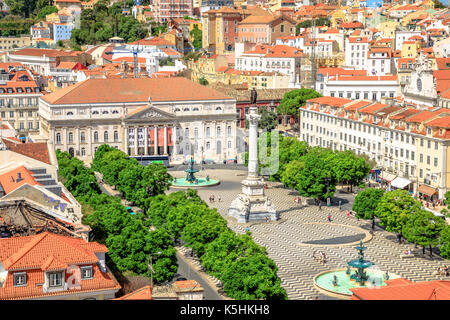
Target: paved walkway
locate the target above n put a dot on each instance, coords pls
(303, 229)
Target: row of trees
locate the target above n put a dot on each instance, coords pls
(128, 239)
(313, 171)
(183, 216)
(137, 183)
(399, 212)
(243, 266)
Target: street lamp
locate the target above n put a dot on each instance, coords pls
(150, 265)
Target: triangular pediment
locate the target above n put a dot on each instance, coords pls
(149, 113)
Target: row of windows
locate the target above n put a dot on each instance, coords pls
(21, 114)
(20, 102)
(207, 132)
(83, 137)
(357, 95)
(55, 279)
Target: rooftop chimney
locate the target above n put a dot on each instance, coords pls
(19, 177)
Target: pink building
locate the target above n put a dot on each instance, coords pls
(166, 9)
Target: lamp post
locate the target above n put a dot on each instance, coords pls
(151, 269)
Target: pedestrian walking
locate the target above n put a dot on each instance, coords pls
(329, 218)
(267, 219)
(212, 197)
(348, 213)
(320, 205)
(247, 229)
(219, 198)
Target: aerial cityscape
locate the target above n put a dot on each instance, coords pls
(224, 150)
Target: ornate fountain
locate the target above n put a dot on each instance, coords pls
(360, 276)
(190, 172)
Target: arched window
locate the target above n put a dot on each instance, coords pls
(177, 109)
(58, 138)
(105, 112)
(186, 109)
(83, 152)
(95, 136)
(229, 144)
(70, 137)
(94, 112)
(218, 131)
(186, 133)
(70, 113)
(116, 136)
(207, 132)
(195, 109)
(115, 112)
(219, 147)
(218, 108)
(105, 136)
(83, 137)
(229, 131)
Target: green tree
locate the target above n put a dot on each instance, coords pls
(308, 24)
(227, 248)
(350, 168)
(291, 174)
(251, 278)
(366, 202)
(317, 178)
(394, 210)
(46, 11)
(295, 99)
(203, 81)
(423, 228)
(197, 36)
(444, 242)
(447, 198)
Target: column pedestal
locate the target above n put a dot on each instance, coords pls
(252, 204)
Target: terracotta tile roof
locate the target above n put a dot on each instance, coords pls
(35, 150)
(258, 19)
(155, 41)
(16, 85)
(443, 63)
(144, 293)
(404, 114)
(132, 90)
(48, 251)
(365, 78)
(426, 290)
(187, 286)
(356, 104)
(420, 117)
(171, 52)
(40, 52)
(442, 122)
(351, 25)
(331, 101)
(358, 40)
(373, 108)
(9, 181)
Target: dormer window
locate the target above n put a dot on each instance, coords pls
(9, 90)
(428, 130)
(36, 89)
(2, 90)
(86, 273)
(95, 112)
(55, 279)
(28, 90)
(20, 279)
(105, 112)
(115, 112)
(19, 90)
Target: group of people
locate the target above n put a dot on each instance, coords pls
(297, 199)
(443, 271)
(321, 256)
(212, 199)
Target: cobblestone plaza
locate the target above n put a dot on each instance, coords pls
(304, 229)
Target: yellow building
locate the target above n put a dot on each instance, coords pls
(194, 24)
(388, 28)
(338, 16)
(409, 49)
(9, 43)
(208, 68)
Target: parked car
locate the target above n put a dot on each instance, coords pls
(228, 161)
(130, 211)
(208, 161)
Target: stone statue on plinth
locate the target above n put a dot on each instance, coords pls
(252, 204)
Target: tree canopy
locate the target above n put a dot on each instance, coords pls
(366, 202)
(394, 209)
(295, 99)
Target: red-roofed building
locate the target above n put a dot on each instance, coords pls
(278, 58)
(50, 266)
(402, 289)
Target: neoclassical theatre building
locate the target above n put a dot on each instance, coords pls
(162, 119)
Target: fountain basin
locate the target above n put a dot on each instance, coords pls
(324, 281)
(202, 182)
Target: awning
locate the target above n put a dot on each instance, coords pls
(427, 190)
(400, 183)
(387, 176)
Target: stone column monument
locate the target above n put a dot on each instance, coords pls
(252, 204)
